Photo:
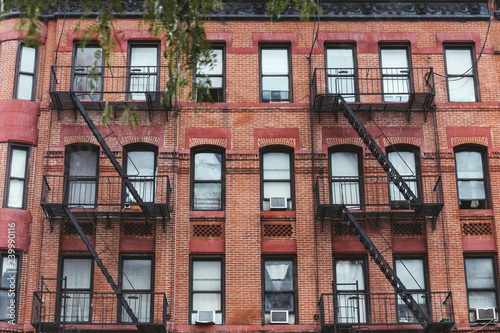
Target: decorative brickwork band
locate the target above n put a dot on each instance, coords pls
(69, 140)
(152, 140)
(402, 141)
(331, 142)
(290, 142)
(479, 140)
(193, 142)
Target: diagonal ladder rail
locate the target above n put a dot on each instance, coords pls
(103, 268)
(110, 155)
(374, 148)
(417, 311)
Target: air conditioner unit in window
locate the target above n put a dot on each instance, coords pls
(277, 203)
(485, 314)
(279, 317)
(205, 317)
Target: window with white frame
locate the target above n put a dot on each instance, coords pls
(207, 298)
(471, 177)
(275, 74)
(16, 178)
(277, 187)
(461, 73)
(25, 83)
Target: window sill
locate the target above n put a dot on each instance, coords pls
(207, 213)
(476, 212)
(274, 213)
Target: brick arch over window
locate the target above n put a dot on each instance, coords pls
(198, 142)
(334, 142)
(267, 142)
(403, 141)
(141, 140)
(482, 141)
(71, 140)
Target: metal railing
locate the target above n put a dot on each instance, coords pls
(375, 193)
(374, 85)
(103, 193)
(97, 308)
(383, 308)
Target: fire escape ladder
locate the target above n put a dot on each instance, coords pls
(370, 142)
(110, 155)
(417, 311)
(104, 270)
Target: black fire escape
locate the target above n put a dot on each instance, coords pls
(112, 86)
(412, 92)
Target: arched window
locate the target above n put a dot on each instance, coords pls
(207, 178)
(471, 175)
(406, 161)
(277, 186)
(140, 166)
(345, 176)
(81, 171)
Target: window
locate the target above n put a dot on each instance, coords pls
(412, 273)
(87, 70)
(279, 290)
(405, 161)
(275, 74)
(25, 84)
(395, 61)
(207, 179)
(207, 289)
(10, 266)
(345, 169)
(461, 74)
(481, 284)
(210, 79)
(140, 167)
(143, 60)
(276, 180)
(16, 186)
(82, 164)
(471, 179)
(76, 289)
(136, 281)
(350, 285)
(341, 79)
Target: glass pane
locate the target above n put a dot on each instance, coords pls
(9, 268)
(78, 273)
(18, 163)
(75, 306)
(82, 192)
(469, 164)
(279, 275)
(216, 68)
(207, 301)
(394, 58)
(352, 308)
(140, 305)
(208, 166)
(482, 299)
(340, 58)
(279, 189)
(141, 163)
(145, 187)
(279, 302)
(461, 89)
(4, 304)
(207, 196)
(458, 62)
(471, 190)
(16, 191)
(206, 275)
(343, 85)
(144, 56)
(87, 57)
(344, 164)
(25, 87)
(28, 60)
(276, 166)
(83, 163)
(144, 83)
(404, 313)
(275, 83)
(274, 61)
(411, 273)
(396, 88)
(404, 162)
(346, 192)
(350, 271)
(480, 273)
(137, 274)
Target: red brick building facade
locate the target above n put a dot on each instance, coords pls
(359, 149)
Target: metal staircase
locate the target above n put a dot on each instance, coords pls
(415, 203)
